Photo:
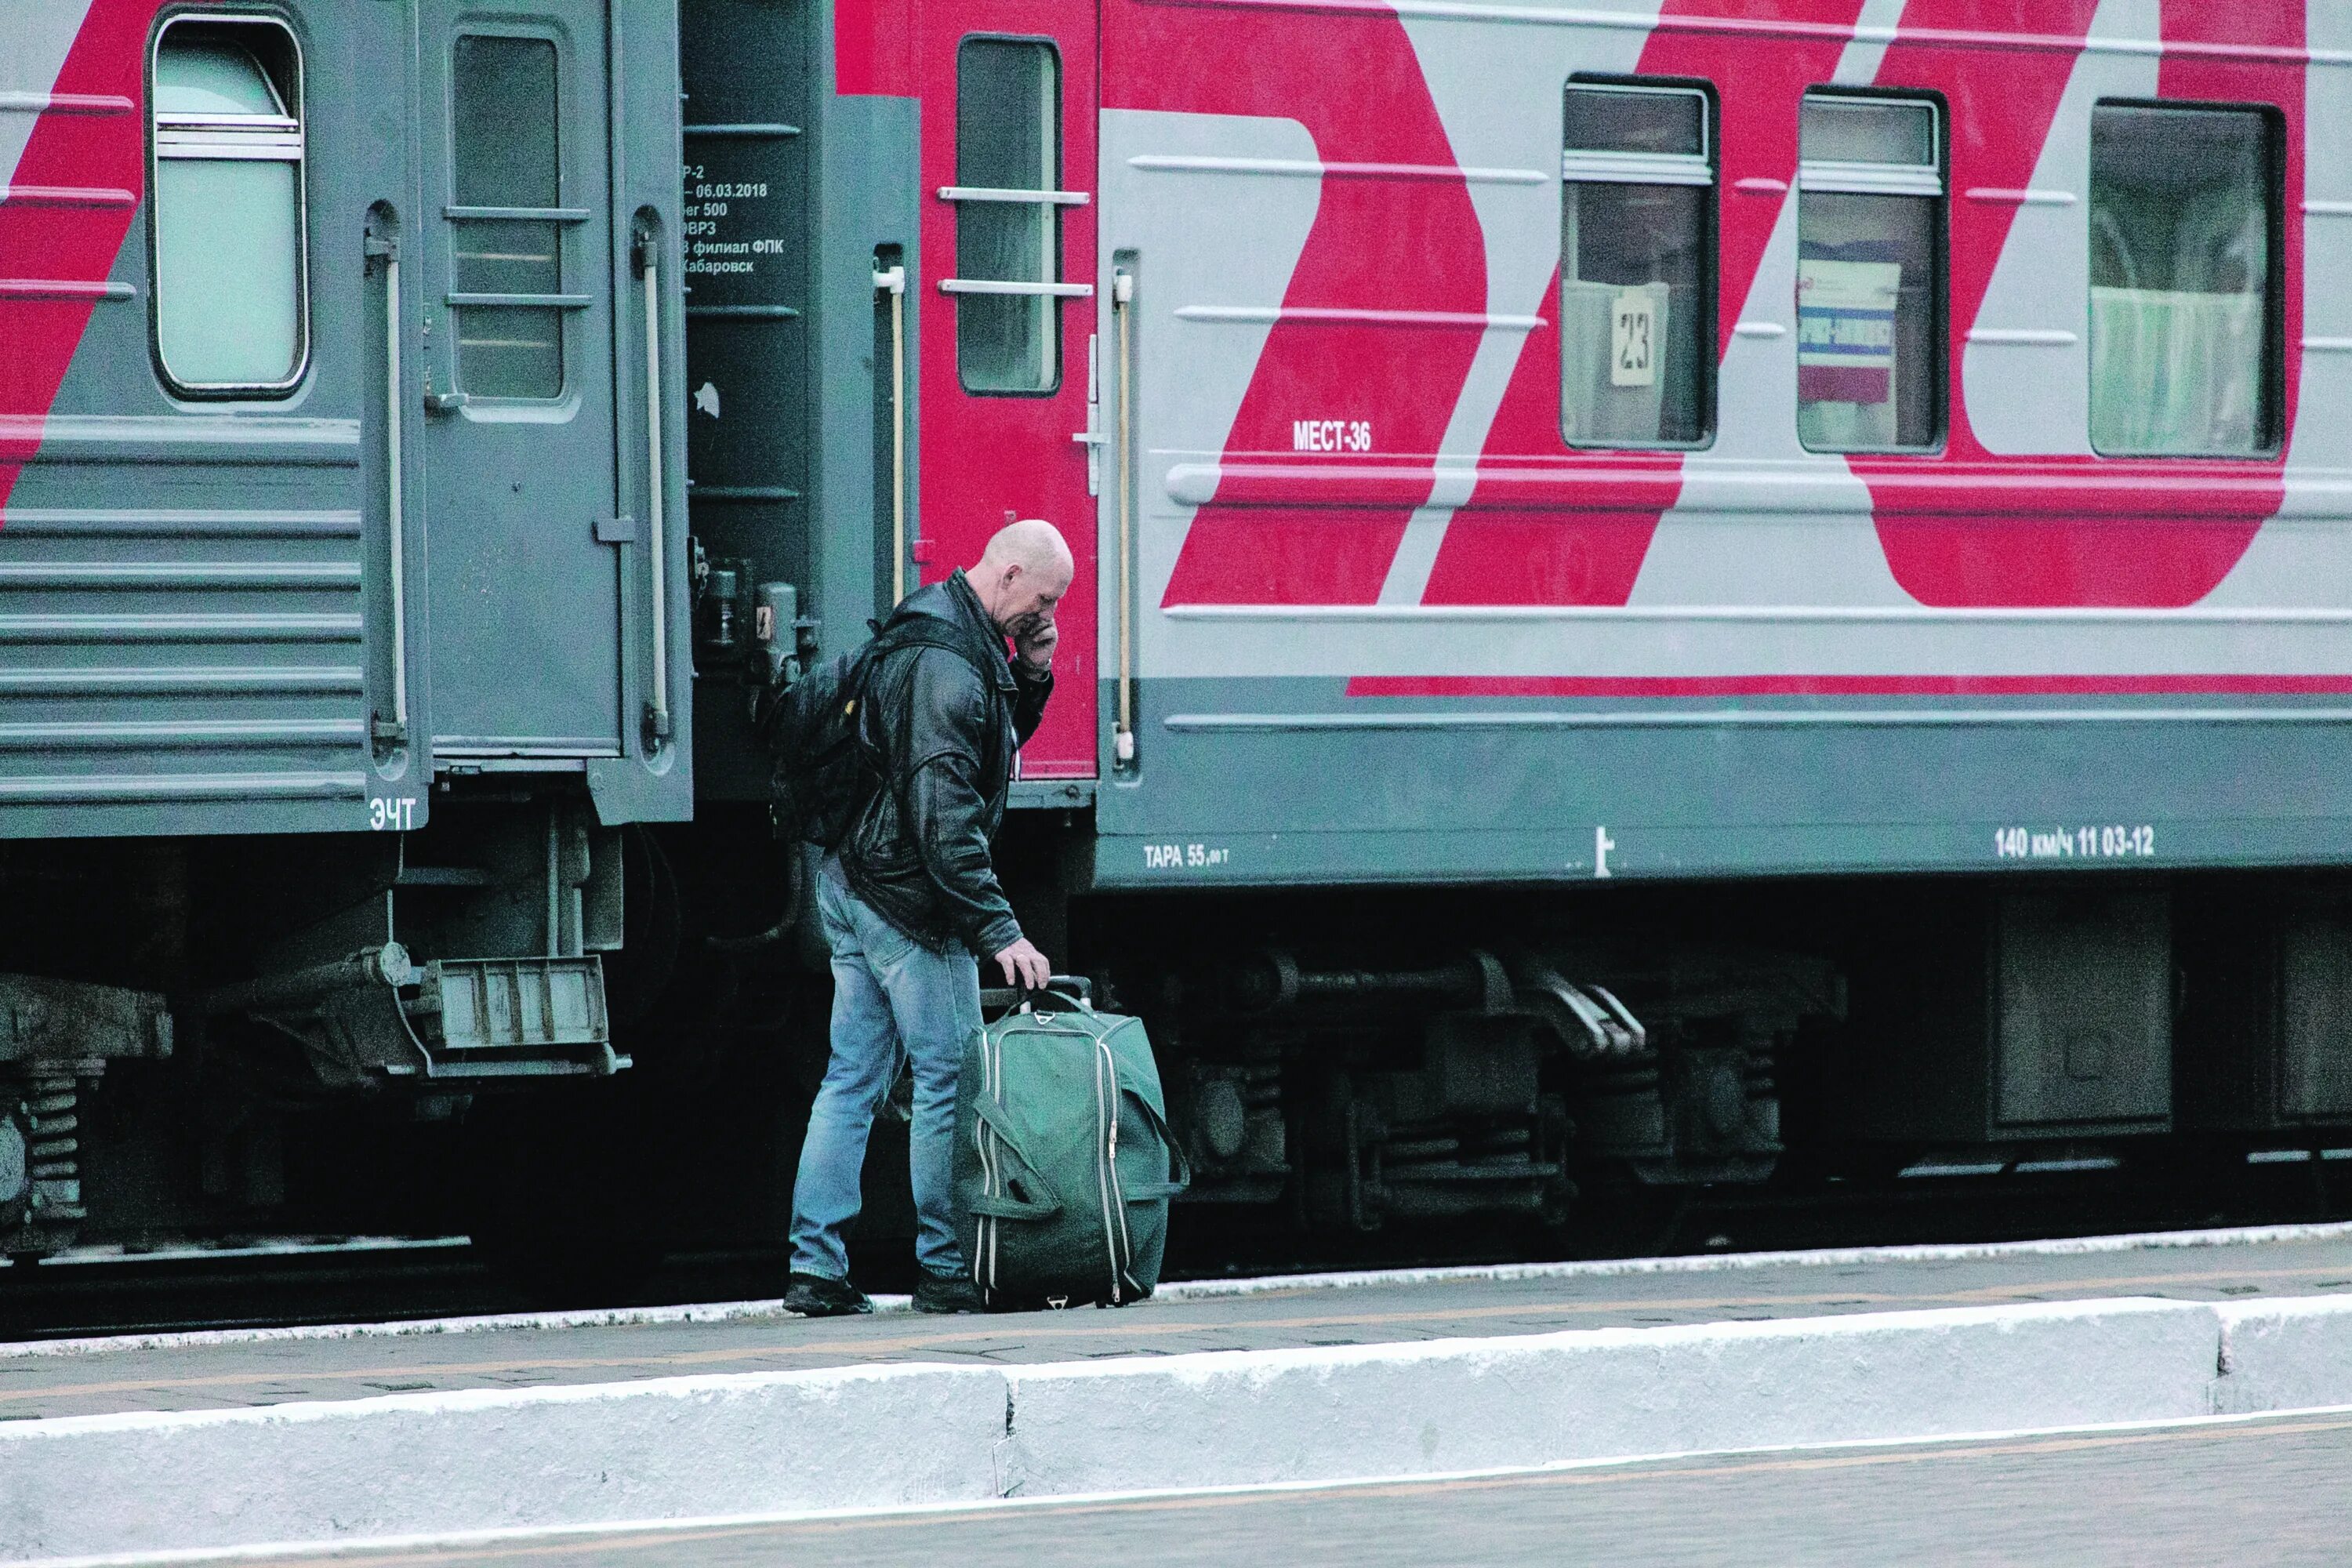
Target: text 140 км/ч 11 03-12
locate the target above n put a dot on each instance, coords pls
(2090, 841)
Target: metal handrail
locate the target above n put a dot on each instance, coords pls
(1013, 194)
(392, 403)
(893, 280)
(1001, 286)
(655, 541)
(1122, 304)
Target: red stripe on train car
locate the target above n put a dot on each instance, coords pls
(1846, 685)
(89, 139)
(1987, 537)
(1353, 79)
(1499, 551)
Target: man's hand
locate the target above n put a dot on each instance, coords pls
(1035, 645)
(1024, 967)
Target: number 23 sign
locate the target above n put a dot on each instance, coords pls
(1632, 338)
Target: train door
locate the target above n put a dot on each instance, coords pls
(1009, 355)
(517, 341)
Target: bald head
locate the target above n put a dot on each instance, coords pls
(1020, 580)
(1033, 545)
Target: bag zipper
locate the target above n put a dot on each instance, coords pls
(1117, 1189)
(985, 1237)
(1103, 1170)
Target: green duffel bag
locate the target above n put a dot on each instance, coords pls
(1064, 1162)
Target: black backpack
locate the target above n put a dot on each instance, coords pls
(825, 768)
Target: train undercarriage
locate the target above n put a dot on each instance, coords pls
(586, 1047)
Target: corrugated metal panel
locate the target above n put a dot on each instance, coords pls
(186, 657)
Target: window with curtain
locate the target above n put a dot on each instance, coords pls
(2183, 345)
(1870, 200)
(230, 311)
(1008, 216)
(1637, 266)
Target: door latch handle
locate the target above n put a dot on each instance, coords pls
(1092, 437)
(445, 402)
(1093, 442)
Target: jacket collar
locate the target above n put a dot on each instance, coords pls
(971, 616)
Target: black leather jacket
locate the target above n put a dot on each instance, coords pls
(944, 723)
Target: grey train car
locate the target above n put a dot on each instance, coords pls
(343, 584)
(1662, 601)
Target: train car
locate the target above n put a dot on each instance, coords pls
(343, 593)
(1641, 565)
(1669, 594)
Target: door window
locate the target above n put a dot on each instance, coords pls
(2183, 205)
(228, 225)
(1637, 267)
(1869, 247)
(507, 226)
(1008, 215)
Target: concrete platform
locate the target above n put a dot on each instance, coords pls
(227, 1370)
(401, 1430)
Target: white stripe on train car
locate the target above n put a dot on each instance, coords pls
(1483, 81)
(2026, 391)
(2304, 555)
(33, 42)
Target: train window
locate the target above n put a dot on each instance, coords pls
(1008, 226)
(1637, 266)
(2184, 334)
(1870, 220)
(230, 302)
(508, 172)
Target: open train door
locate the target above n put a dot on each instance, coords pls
(517, 341)
(1008, 352)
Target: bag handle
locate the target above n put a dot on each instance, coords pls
(1180, 1173)
(1067, 992)
(1004, 1206)
(1060, 994)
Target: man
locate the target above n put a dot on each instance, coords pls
(910, 901)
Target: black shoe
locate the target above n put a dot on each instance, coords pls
(816, 1296)
(944, 1293)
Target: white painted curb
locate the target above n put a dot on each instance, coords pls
(486, 1459)
(429, 1465)
(2286, 1354)
(1207, 1419)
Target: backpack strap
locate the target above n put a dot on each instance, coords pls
(916, 631)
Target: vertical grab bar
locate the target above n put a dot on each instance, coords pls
(1122, 304)
(391, 471)
(387, 248)
(657, 716)
(893, 281)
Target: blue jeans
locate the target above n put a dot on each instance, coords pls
(892, 997)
